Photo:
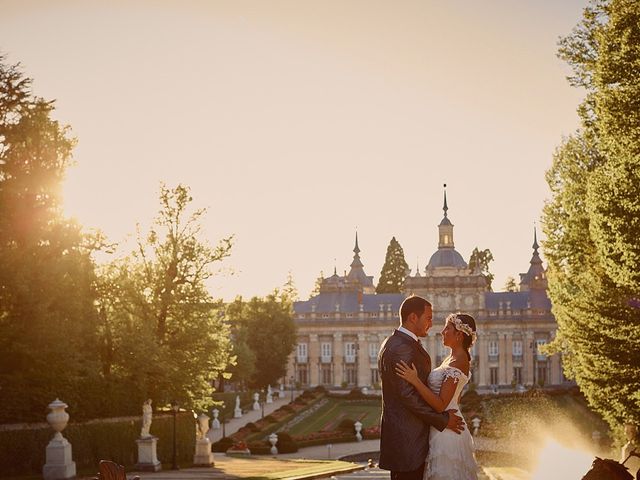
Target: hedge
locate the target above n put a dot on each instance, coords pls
(22, 452)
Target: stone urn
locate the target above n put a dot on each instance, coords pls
(203, 425)
(273, 439)
(358, 427)
(58, 417)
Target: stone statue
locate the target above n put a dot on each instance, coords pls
(147, 414)
(630, 454)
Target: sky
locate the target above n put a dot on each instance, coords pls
(298, 123)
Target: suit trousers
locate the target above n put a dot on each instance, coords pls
(414, 475)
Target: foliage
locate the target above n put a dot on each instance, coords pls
(394, 269)
(479, 261)
(47, 315)
(510, 285)
(289, 290)
(162, 333)
(286, 444)
(316, 285)
(22, 452)
(592, 221)
(266, 326)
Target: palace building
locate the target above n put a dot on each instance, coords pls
(341, 328)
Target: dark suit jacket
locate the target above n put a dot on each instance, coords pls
(406, 417)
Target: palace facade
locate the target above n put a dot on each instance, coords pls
(340, 329)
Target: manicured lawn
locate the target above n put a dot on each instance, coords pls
(329, 416)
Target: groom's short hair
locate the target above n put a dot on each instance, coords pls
(413, 304)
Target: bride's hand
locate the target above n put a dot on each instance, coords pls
(410, 374)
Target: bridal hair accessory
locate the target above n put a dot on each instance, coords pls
(462, 327)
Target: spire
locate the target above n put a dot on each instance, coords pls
(535, 278)
(535, 258)
(444, 207)
(356, 263)
(417, 267)
(357, 274)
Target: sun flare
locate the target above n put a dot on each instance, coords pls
(559, 462)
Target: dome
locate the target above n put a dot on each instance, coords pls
(446, 257)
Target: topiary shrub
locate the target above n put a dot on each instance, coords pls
(259, 448)
(222, 445)
(286, 444)
(346, 425)
(252, 427)
(356, 393)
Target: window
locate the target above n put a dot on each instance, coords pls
(350, 352)
(517, 348)
(325, 352)
(301, 353)
(375, 377)
(373, 350)
(326, 373)
(493, 373)
(351, 375)
(302, 375)
(542, 375)
(493, 348)
(517, 375)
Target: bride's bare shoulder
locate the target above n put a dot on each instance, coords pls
(461, 364)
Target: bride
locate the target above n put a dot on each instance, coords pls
(450, 454)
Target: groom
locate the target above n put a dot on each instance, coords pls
(406, 417)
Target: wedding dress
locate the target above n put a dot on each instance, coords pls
(450, 454)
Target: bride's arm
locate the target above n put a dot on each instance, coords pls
(437, 402)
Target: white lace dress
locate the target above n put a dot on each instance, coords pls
(450, 455)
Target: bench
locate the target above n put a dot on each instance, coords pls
(108, 470)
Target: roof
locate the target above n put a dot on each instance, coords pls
(537, 299)
(348, 301)
(446, 257)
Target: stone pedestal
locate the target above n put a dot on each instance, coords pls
(59, 465)
(147, 456)
(203, 456)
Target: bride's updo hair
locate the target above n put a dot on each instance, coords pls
(466, 324)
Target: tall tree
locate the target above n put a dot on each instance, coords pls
(267, 327)
(47, 316)
(316, 285)
(394, 269)
(591, 221)
(479, 261)
(157, 303)
(510, 285)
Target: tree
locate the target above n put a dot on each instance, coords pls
(317, 285)
(157, 304)
(394, 269)
(289, 290)
(47, 316)
(591, 221)
(479, 262)
(510, 285)
(266, 326)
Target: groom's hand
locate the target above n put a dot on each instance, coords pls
(455, 422)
